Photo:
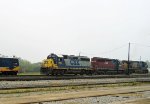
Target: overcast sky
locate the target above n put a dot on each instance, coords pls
(32, 29)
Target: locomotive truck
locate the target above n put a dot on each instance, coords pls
(9, 66)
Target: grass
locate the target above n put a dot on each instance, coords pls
(66, 88)
(29, 73)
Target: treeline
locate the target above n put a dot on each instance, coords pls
(27, 66)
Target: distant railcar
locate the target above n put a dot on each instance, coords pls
(66, 64)
(106, 66)
(9, 66)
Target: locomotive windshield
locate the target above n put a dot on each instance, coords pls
(9, 62)
(53, 56)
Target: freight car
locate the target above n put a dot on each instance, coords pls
(66, 64)
(9, 66)
(106, 66)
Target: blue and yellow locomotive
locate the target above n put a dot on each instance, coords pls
(9, 66)
(66, 64)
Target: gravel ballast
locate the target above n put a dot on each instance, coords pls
(110, 99)
(58, 83)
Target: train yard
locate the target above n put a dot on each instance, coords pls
(75, 89)
(69, 79)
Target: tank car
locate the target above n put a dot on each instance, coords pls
(66, 64)
(9, 66)
(106, 66)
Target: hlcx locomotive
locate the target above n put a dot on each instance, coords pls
(9, 66)
(70, 64)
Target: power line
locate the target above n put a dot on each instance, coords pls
(115, 49)
(141, 44)
(110, 51)
(118, 48)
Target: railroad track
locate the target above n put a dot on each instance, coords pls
(86, 94)
(49, 97)
(67, 77)
(67, 83)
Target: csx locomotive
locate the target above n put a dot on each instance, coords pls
(70, 64)
(9, 66)
(62, 64)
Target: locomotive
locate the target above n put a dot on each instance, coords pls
(9, 66)
(70, 64)
(115, 66)
(135, 66)
(66, 64)
(106, 66)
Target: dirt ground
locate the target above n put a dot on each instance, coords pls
(139, 101)
(74, 94)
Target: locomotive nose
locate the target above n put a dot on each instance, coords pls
(48, 63)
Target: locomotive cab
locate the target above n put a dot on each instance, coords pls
(49, 64)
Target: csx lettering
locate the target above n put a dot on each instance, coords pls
(74, 62)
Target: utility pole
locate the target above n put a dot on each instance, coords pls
(129, 60)
(140, 63)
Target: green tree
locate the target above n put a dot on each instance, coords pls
(27, 66)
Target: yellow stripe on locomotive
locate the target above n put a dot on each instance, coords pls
(49, 63)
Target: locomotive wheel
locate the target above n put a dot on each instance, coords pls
(87, 72)
(91, 72)
(52, 74)
(75, 74)
(55, 72)
(47, 73)
(4, 73)
(62, 72)
(13, 73)
(82, 72)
